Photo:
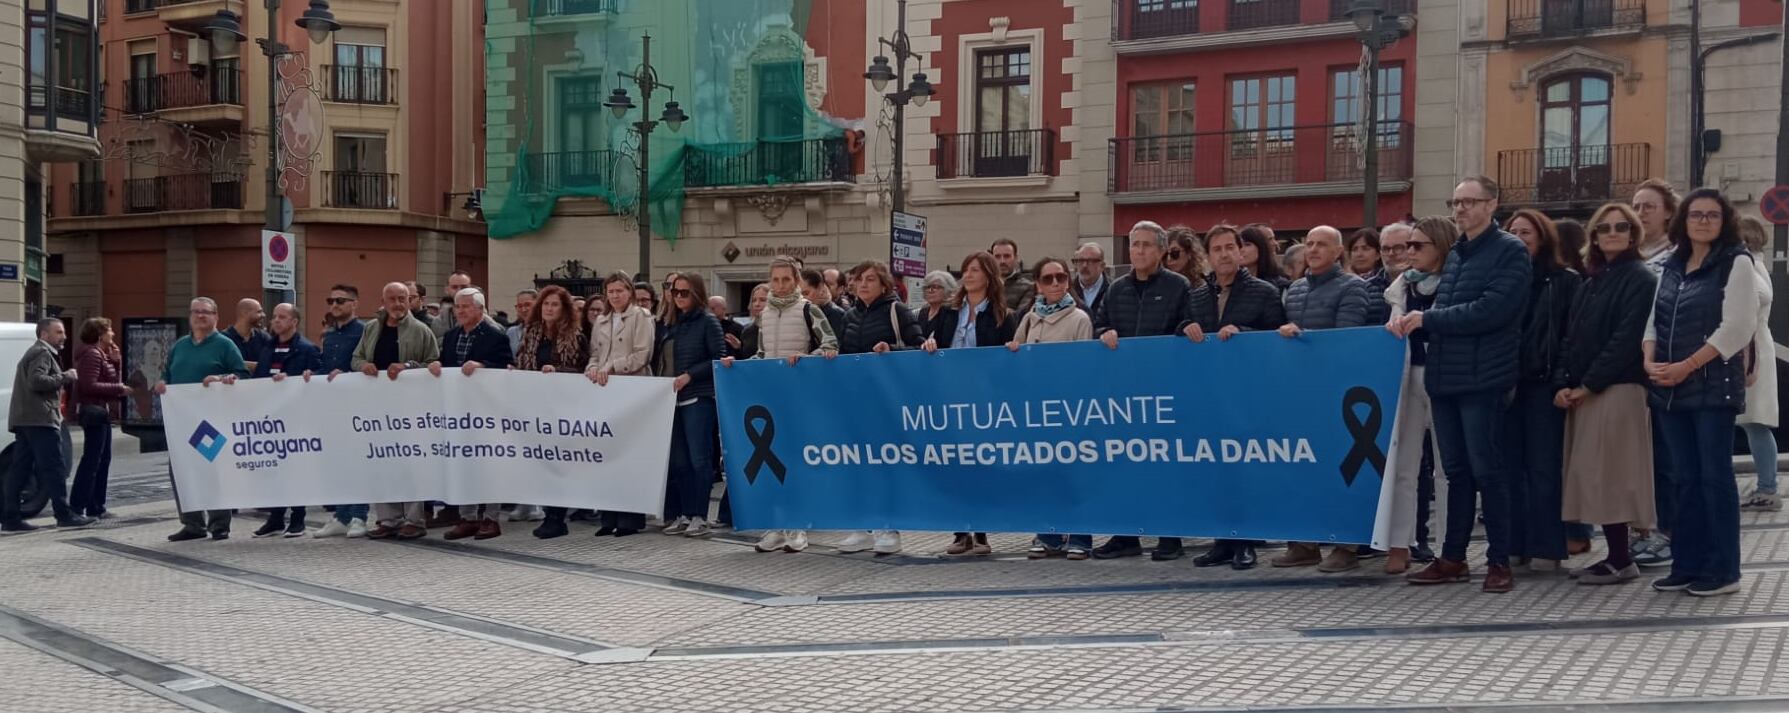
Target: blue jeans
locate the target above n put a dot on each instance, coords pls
(1763, 445)
(1057, 542)
(88, 494)
(1663, 490)
(692, 460)
(346, 514)
(37, 455)
(1536, 431)
(1705, 537)
(1468, 431)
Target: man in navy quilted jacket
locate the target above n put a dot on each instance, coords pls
(1474, 333)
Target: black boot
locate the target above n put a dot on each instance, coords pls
(1220, 554)
(1244, 557)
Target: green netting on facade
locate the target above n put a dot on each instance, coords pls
(742, 73)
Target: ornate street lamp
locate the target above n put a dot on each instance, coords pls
(1376, 29)
(645, 77)
(917, 92)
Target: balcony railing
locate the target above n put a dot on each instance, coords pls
(1587, 174)
(989, 154)
(361, 85)
(135, 6)
(1338, 9)
(1224, 159)
(554, 8)
(73, 103)
(187, 191)
(360, 189)
(768, 163)
(89, 198)
(178, 90)
(1250, 14)
(553, 172)
(1562, 18)
(1146, 19)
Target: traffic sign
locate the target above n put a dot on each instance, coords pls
(1775, 205)
(908, 247)
(277, 271)
(9, 271)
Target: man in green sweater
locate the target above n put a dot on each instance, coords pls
(202, 357)
(393, 341)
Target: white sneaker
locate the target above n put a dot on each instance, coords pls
(677, 526)
(796, 541)
(857, 542)
(888, 542)
(698, 528)
(527, 513)
(333, 528)
(356, 528)
(771, 541)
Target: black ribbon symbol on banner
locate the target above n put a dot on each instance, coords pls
(761, 436)
(1365, 433)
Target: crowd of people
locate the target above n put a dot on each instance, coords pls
(1541, 352)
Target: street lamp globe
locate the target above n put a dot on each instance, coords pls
(674, 116)
(225, 32)
(920, 89)
(1365, 14)
(618, 102)
(319, 21)
(880, 73)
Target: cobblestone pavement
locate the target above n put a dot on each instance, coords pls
(115, 618)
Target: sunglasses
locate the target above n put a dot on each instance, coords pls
(340, 300)
(1417, 246)
(1621, 227)
(1176, 253)
(681, 293)
(1052, 278)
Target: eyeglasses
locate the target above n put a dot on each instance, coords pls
(931, 288)
(204, 311)
(1467, 202)
(1697, 216)
(1175, 253)
(681, 293)
(1417, 246)
(1620, 227)
(1087, 261)
(1052, 278)
(642, 300)
(340, 300)
(1394, 248)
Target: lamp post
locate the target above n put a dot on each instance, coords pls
(917, 92)
(1376, 29)
(646, 79)
(225, 32)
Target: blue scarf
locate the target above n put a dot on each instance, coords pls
(1414, 276)
(1045, 309)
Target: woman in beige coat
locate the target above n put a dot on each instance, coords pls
(1055, 317)
(620, 345)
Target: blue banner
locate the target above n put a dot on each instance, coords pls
(1258, 437)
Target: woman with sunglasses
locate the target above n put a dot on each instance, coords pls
(1761, 381)
(621, 344)
(691, 344)
(1054, 317)
(1601, 384)
(1184, 255)
(1414, 290)
(1703, 320)
(1535, 427)
(982, 320)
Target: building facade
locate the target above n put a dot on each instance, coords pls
(49, 48)
(381, 136)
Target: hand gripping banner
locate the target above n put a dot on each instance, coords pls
(1258, 437)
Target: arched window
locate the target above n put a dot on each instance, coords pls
(1575, 138)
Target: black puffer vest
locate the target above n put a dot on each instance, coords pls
(1684, 315)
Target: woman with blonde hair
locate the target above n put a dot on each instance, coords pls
(621, 344)
(1414, 290)
(1761, 380)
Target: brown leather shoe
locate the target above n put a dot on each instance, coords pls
(411, 532)
(447, 517)
(1341, 559)
(1397, 560)
(1498, 579)
(962, 545)
(1575, 546)
(488, 529)
(465, 529)
(382, 532)
(1298, 554)
(1440, 572)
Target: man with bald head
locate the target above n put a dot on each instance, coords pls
(394, 340)
(246, 333)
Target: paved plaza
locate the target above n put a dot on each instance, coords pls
(115, 618)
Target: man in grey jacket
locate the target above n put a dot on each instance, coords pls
(35, 417)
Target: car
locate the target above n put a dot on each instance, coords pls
(15, 338)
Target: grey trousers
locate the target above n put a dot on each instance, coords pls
(196, 520)
(400, 514)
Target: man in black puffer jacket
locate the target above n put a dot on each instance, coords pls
(1150, 302)
(1475, 335)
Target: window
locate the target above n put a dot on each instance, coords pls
(1003, 90)
(781, 118)
(360, 75)
(140, 89)
(1345, 110)
(1163, 18)
(1575, 137)
(1162, 110)
(1261, 133)
(581, 161)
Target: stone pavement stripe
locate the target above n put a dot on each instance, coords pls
(1713, 704)
(1237, 636)
(528, 638)
(738, 594)
(191, 688)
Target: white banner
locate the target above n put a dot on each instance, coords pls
(497, 436)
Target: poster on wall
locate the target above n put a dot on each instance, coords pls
(146, 343)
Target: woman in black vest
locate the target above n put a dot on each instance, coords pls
(1702, 322)
(1602, 385)
(1536, 427)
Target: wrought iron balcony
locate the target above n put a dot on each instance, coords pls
(136, 6)
(556, 8)
(178, 90)
(1561, 176)
(187, 191)
(989, 154)
(89, 198)
(1338, 9)
(1147, 19)
(563, 170)
(1252, 157)
(1531, 19)
(1251, 14)
(768, 163)
(360, 189)
(360, 85)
